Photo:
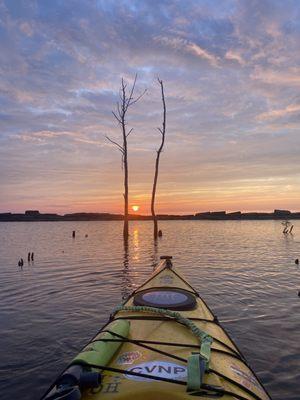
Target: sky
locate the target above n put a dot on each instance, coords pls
(231, 75)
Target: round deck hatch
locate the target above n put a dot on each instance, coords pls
(172, 299)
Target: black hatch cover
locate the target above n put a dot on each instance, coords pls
(172, 299)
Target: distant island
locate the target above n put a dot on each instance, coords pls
(35, 215)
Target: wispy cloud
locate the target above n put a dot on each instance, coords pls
(235, 56)
(278, 113)
(194, 48)
(286, 77)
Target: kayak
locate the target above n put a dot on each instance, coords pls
(162, 342)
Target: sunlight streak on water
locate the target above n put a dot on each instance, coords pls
(52, 307)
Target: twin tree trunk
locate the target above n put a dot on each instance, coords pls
(163, 133)
(120, 115)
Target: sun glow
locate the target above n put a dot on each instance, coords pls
(135, 208)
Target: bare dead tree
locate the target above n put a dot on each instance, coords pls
(163, 133)
(126, 100)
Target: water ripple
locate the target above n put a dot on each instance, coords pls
(52, 307)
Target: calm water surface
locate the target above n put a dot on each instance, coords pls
(50, 309)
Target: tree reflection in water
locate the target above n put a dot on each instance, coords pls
(126, 279)
(154, 257)
(131, 249)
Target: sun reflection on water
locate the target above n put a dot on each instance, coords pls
(136, 245)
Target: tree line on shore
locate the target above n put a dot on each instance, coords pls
(35, 215)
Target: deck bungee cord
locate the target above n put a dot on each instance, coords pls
(140, 342)
(154, 318)
(205, 338)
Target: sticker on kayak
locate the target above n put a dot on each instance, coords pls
(166, 279)
(129, 357)
(162, 369)
(247, 378)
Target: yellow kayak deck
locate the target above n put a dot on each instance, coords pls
(151, 361)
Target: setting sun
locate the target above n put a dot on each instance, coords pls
(135, 208)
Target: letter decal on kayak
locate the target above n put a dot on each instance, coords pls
(161, 368)
(112, 386)
(150, 369)
(158, 368)
(129, 357)
(178, 370)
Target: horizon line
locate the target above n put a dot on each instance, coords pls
(37, 212)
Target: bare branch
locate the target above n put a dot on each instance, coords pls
(124, 85)
(138, 98)
(163, 129)
(116, 144)
(129, 132)
(119, 111)
(131, 92)
(124, 108)
(117, 118)
(120, 94)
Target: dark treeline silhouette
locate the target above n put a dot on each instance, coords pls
(10, 217)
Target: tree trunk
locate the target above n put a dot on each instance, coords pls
(154, 217)
(122, 107)
(163, 132)
(126, 224)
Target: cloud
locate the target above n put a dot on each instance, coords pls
(231, 74)
(234, 56)
(289, 77)
(43, 135)
(181, 44)
(194, 48)
(26, 28)
(283, 112)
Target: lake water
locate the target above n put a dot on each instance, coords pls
(244, 270)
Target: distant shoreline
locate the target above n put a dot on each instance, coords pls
(36, 216)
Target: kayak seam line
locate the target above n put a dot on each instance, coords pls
(184, 281)
(156, 274)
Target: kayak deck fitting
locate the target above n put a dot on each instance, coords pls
(163, 342)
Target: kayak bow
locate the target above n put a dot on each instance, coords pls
(163, 342)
